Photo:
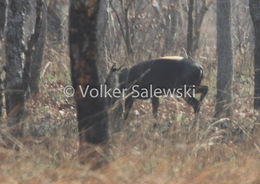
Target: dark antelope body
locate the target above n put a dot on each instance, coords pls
(166, 73)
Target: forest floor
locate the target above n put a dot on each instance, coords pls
(222, 151)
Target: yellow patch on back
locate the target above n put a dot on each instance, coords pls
(172, 57)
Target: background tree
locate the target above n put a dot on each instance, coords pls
(24, 50)
(91, 112)
(225, 63)
(255, 14)
(169, 20)
(57, 15)
(3, 6)
(125, 23)
(190, 28)
(201, 7)
(35, 48)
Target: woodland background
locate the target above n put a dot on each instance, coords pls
(39, 142)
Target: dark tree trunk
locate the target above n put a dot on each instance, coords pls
(225, 62)
(91, 112)
(255, 14)
(3, 7)
(190, 28)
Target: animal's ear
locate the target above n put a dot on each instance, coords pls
(114, 68)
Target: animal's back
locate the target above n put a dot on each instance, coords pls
(165, 72)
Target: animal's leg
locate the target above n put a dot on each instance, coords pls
(194, 103)
(155, 104)
(128, 104)
(203, 90)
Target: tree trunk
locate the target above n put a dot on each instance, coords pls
(57, 21)
(24, 50)
(91, 112)
(35, 48)
(3, 7)
(254, 6)
(225, 63)
(124, 24)
(190, 28)
(101, 31)
(15, 60)
(171, 28)
(200, 13)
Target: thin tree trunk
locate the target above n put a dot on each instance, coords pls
(225, 63)
(198, 22)
(91, 112)
(101, 31)
(3, 7)
(34, 53)
(57, 21)
(190, 28)
(171, 29)
(255, 14)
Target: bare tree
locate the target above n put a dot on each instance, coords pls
(190, 28)
(168, 16)
(35, 48)
(254, 6)
(201, 8)
(225, 63)
(101, 31)
(3, 7)
(91, 112)
(15, 60)
(124, 22)
(57, 22)
(24, 50)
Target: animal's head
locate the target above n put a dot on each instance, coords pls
(112, 79)
(116, 77)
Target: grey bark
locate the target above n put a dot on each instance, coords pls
(124, 24)
(58, 21)
(24, 48)
(171, 28)
(254, 6)
(225, 62)
(35, 48)
(101, 31)
(190, 28)
(15, 57)
(3, 7)
(200, 13)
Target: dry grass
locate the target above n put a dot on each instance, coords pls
(141, 158)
